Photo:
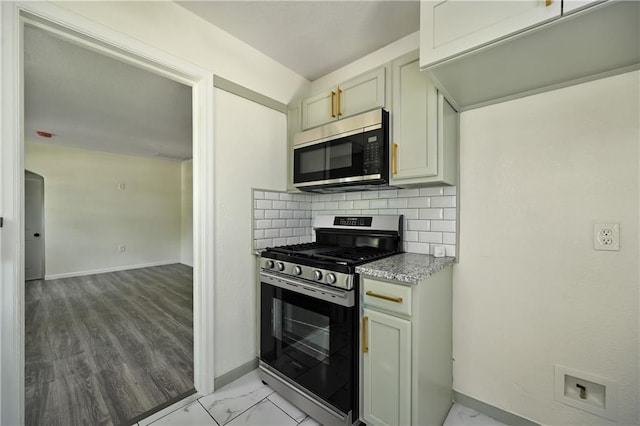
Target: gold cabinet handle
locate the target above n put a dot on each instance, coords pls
(333, 97)
(339, 102)
(394, 159)
(382, 296)
(548, 3)
(365, 346)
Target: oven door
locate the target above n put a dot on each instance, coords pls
(311, 342)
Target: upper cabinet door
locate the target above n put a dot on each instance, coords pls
(451, 27)
(319, 109)
(415, 122)
(361, 94)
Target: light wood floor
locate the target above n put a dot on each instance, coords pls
(104, 349)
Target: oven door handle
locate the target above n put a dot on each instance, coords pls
(340, 297)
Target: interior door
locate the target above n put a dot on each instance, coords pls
(33, 226)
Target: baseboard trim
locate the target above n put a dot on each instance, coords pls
(491, 411)
(112, 269)
(234, 374)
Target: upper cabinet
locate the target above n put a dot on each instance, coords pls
(453, 27)
(359, 94)
(425, 129)
(478, 53)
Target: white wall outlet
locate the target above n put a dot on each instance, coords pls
(606, 236)
(122, 248)
(586, 392)
(121, 186)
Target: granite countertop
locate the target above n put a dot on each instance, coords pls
(408, 268)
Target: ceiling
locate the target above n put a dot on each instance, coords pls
(312, 38)
(91, 101)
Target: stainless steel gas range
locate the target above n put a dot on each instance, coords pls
(309, 312)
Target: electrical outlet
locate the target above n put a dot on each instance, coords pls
(122, 248)
(606, 236)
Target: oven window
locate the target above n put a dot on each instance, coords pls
(312, 342)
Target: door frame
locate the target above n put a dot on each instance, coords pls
(13, 16)
(29, 175)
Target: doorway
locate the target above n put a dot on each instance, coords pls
(33, 226)
(13, 16)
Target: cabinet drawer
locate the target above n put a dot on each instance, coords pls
(391, 297)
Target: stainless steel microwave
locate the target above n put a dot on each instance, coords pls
(349, 154)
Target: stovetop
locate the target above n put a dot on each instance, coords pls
(342, 255)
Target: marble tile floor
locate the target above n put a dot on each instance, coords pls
(247, 401)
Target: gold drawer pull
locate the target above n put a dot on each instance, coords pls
(394, 159)
(365, 346)
(548, 3)
(382, 296)
(333, 100)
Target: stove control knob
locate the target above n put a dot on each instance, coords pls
(269, 264)
(317, 275)
(297, 270)
(280, 266)
(331, 278)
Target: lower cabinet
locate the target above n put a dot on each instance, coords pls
(387, 365)
(406, 358)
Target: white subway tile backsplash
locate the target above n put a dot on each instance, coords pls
(280, 205)
(378, 204)
(446, 201)
(271, 214)
(430, 192)
(279, 223)
(391, 193)
(410, 235)
(418, 225)
(409, 193)
(286, 214)
(418, 202)
(413, 247)
(361, 204)
(430, 237)
(369, 195)
(262, 224)
(263, 204)
(331, 205)
(345, 205)
(448, 238)
(272, 195)
(429, 215)
(409, 213)
(286, 232)
(450, 214)
(397, 203)
(443, 225)
(271, 233)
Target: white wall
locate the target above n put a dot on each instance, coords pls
(530, 292)
(87, 216)
(250, 153)
(186, 254)
(172, 28)
(373, 60)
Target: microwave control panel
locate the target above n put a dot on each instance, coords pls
(373, 155)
